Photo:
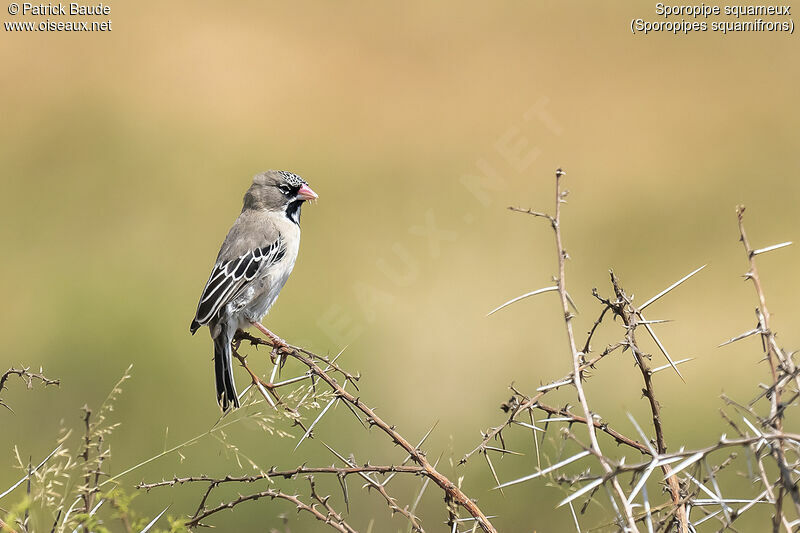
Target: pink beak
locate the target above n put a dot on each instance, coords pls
(305, 193)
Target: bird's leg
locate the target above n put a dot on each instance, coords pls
(276, 341)
(278, 344)
(235, 343)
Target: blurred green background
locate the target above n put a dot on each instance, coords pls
(125, 156)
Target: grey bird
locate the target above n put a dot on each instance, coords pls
(252, 266)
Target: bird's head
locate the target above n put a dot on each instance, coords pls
(278, 190)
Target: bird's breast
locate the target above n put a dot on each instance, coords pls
(273, 278)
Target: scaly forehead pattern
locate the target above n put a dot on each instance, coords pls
(292, 179)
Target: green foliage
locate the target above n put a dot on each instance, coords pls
(65, 493)
(16, 515)
(71, 489)
(123, 513)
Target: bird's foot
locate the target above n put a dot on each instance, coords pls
(279, 353)
(279, 346)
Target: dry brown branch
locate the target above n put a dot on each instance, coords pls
(630, 316)
(695, 455)
(28, 377)
(451, 490)
(763, 314)
(381, 489)
(267, 390)
(333, 515)
(314, 364)
(530, 403)
(575, 378)
(782, 368)
(690, 479)
(334, 520)
(577, 357)
(694, 486)
(598, 424)
(285, 474)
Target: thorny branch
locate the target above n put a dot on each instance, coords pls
(577, 357)
(532, 402)
(630, 316)
(689, 476)
(579, 364)
(598, 424)
(687, 490)
(315, 363)
(451, 490)
(28, 377)
(330, 517)
(782, 367)
(286, 474)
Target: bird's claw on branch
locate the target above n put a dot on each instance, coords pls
(279, 351)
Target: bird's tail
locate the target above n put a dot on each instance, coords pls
(223, 367)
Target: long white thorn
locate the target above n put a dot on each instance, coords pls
(577, 494)
(665, 291)
(664, 367)
(663, 350)
(154, 520)
(556, 466)
(773, 247)
(518, 298)
(21, 481)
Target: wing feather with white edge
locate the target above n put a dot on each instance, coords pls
(229, 277)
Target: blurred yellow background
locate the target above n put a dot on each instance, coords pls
(125, 156)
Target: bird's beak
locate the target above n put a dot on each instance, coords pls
(305, 193)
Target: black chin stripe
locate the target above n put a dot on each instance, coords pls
(293, 211)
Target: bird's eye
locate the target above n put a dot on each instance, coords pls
(284, 189)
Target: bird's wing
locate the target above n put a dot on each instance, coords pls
(231, 276)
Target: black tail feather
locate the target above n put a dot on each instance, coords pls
(223, 368)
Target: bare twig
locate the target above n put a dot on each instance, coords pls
(285, 474)
(577, 356)
(780, 364)
(27, 376)
(452, 491)
(333, 521)
(624, 309)
(598, 424)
